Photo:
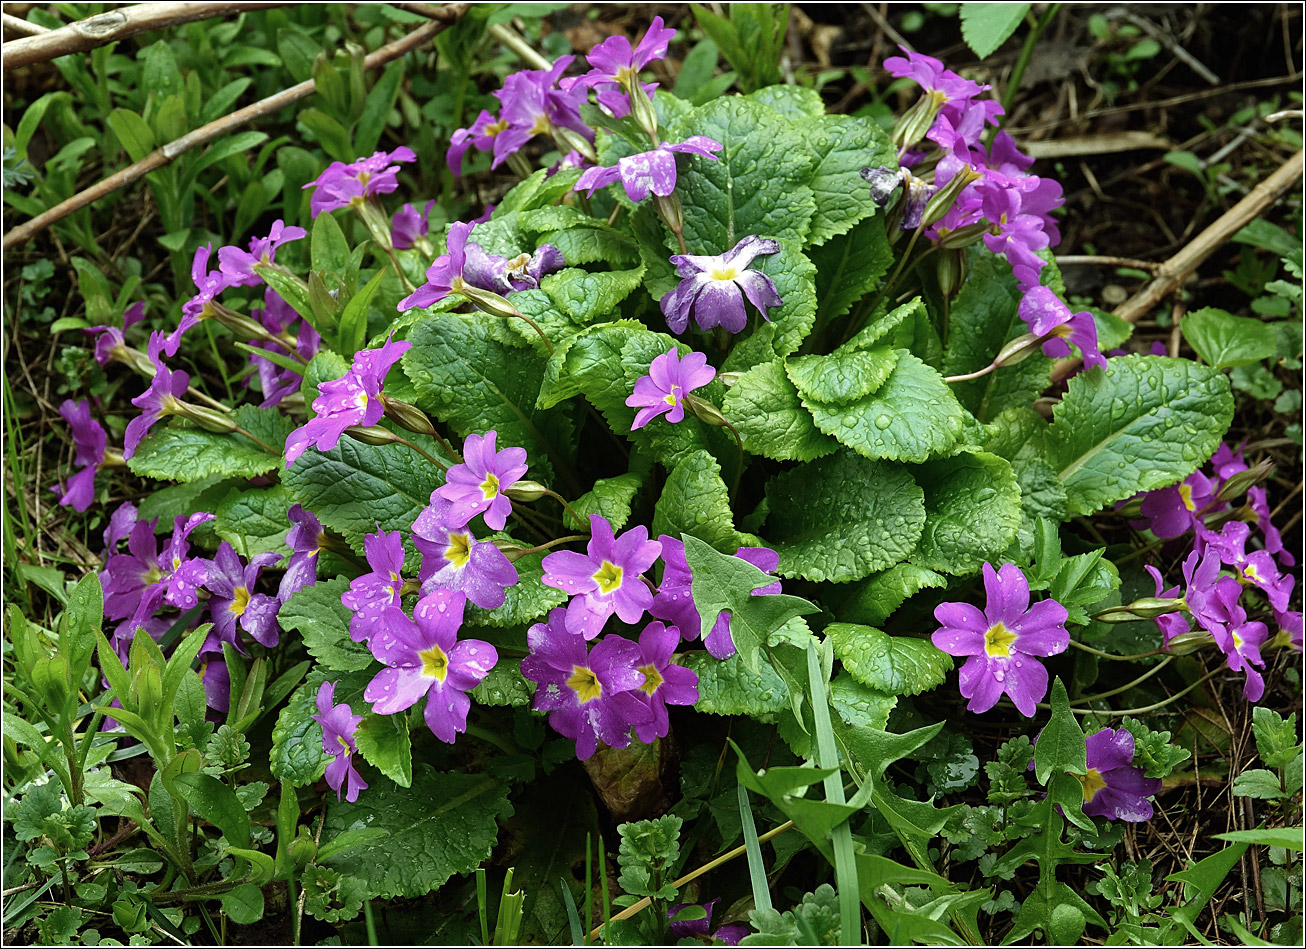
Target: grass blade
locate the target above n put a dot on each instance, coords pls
(756, 870)
(573, 918)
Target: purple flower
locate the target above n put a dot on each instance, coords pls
(1170, 624)
(589, 695)
(885, 181)
(140, 581)
(533, 104)
(342, 185)
(453, 559)
(200, 306)
(933, 77)
(214, 675)
(353, 399)
(713, 288)
(409, 226)
(339, 724)
(484, 216)
(466, 264)
(477, 485)
(306, 538)
(664, 682)
(1257, 568)
(614, 61)
(674, 601)
(158, 400)
(481, 133)
(1170, 512)
(604, 580)
(89, 440)
(1003, 641)
(232, 584)
(238, 265)
(375, 592)
(1241, 641)
(1227, 462)
(110, 343)
(1045, 314)
(445, 275)
(1113, 788)
(1207, 594)
(949, 98)
(276, 382)
(1258, 502)
(669, 380)
(730, 934)
(647, 171)
(424, 657)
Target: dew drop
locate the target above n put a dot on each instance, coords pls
(882, 422)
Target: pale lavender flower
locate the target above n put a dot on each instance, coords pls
(341, 185)
(605, 579)
(665, 683)
(1257, 567)
(477, 485)
(89, 441)
(409, 226)
(339, 725)
(1046, 316)
(200, 306)
(669, 380)
(306, 539)
(917, 193)
(158, 400)
(453, 559)
(533, 104)
(713, 289)
(481, 133)
(653, 171)
(425, 658)
(1003, 642)
(372, 593)
(238, 265)
(110, 343)
(1170, 624)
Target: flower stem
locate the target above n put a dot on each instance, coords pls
(524, 551)
(966, 377)
(1106, 655)
(563, 501)
(256, 440)
(1142, 710)
(1126, 687)
(421, 451)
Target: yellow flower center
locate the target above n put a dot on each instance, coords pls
(490, 486)
(672, 397)
(518, 264)
(435, 664)
(1186, 495)
(344, 745)
(542, 125)
(723, 273)
(585, 684)
(1249, 571)
(361, 401)
(608, 577)
(153, 575)
(459, 550)
(240, 601)
(652, 679)
(998, 640)
(494, 128)
(1237, 641)
(1092, 783)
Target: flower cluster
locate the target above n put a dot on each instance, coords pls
(466, 265)
(90, 443)
(343, 186)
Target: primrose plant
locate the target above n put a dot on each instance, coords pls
(516, 471)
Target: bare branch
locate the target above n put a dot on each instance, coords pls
(219, 127)
(19, 25)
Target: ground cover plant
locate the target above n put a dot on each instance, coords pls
(577, 484)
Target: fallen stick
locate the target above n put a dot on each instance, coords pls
(111, 26)
(19, 25)
(218, 127)
(1171, 274)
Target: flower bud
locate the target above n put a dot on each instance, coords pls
(1186, 643)
(372, 436)
(671, 211)
(569, 140)
(704, 411)
(302, 851)
(490, 302)
(1018, 350)
(242, 326)
(951, 271)
(406, 415)
(962, 236)
(1147, 607)
(209, 419)
(1238, 483)
(641, 108)
(526, 491)
(946, 197)
(916, 121)
(1131, 508)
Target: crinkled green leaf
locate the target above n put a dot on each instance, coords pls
(726, 687)
(695, 501)
(758, 185)
(1223, 340)
(587, 297)
(985, 27)
(1143, 422)
(670, 442)
(297, 754)
(972, 510)
(505, 685)
(912, 417)
(254, 520)
(323, 623)
(442, 825)
(610, 497)
(844, 145)
(385, 744)
(879, 596)
(851, 266)
(794, 277)
(842, 378)
(858, 705)
(898, 665)
(765, 407)
(794, 102)
(182, 451)
(842, 518)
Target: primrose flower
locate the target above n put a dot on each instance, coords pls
(110, 343)
(605, 579)
(453, 559)
(701, 929)
(447, 274)
(615, 61)
(1257, 568)
(533, 104)
(214, 675)
(665, 683)
(200, 306)
(140, 581)
(674, 601)
(409, 226)
(232, 584)
(353, 399)
(1113, 787)
(480, 133)
(1241, 642)
(589, 694)
(1208, 594)
(1170, 512)
(339, 725)
(425, 658)
(669, 380)
(341, 185)
(374, 592)
(949, 110)
(238, 265)
(1170, 624)
(306, 538)
(160, 399)
(713, 288)
(1258, 504)
(647, 171)
(477, 485)
(1046, 316)
(89, 440)
(1002, 643)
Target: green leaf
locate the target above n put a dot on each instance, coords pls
(842, 378)
(788, 325)
(216, 803)
(132, 132)
(843, 146)
(764, 406)
(526, 600)
(972, 510)
(793, 102)
(354, 487)
(879, 596)
(254, 521)
(758, 186)
(297, 754)
(323, 622)
(353, 319)
(1061, 745)
(467, 377)
(912, 417)
(1276, 736)
(328, 247)
(444, 824)
(505, 685)
(384, 743)
(183, 452)
(587, 297)
(897, 665)
(1143, 423)
(1223, 340)
(726, 687)
(985, 27)
(244, 904)
(842, 518)
(859, 705)
(1204, 877)
(610, 497)
(722, 583)
(1287, 837)
(81, 625)
(851, 267)
(695, 500)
